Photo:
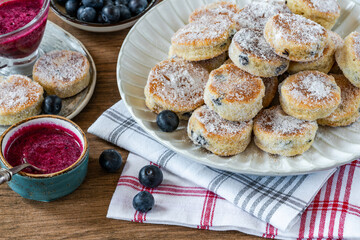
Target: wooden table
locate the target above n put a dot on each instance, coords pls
(82, 214)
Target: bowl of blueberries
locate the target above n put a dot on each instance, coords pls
(101, 15)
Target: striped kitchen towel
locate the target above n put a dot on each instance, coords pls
(279, 201)
(333, 214)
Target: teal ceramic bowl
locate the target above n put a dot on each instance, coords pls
(47, 187)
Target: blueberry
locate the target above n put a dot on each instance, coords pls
(243, 59)
(143, 201)
(167, 121)
(99, 18)
(124, 12)
(61, 2)
(150, 176)
(52, 104)
(200, 140)
(286, 52)
(313, 53)
(71, 7)
(110, 160)
(217, 101)
(110, 14)
(88, 15)
(280, 69)
(108, 2)
(80, 9)
(123, 2)
(137, 6)
(220, 78)
(93, 3)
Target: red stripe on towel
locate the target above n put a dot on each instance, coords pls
(336, 201)
(325, 206)
(207, 214)
(346, 198)
(314, 212)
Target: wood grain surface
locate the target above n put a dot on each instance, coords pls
(82, 214)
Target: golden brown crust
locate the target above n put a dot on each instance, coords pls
(215, 9)
(326, 7)
(63, 73)
(309, 95)
(229, 61)
(271, 86)
(240, 85)
(275, 121)
(278, 133)
(176, 85)
(20, 98)
(213, 63)
(324, 12)
(18, 93)
(222, 137)
(336, 39)
(234, 94)
(256, 14)
(348, 110)
(208, 64)
(322, 64)
(251, 53)
(348, 58)
(203, 39)
(295, 37)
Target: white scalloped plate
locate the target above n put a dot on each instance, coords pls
(147, 44)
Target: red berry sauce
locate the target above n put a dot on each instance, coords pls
(46, 146)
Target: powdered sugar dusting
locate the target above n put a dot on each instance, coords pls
(276, 120)
(234, 84)
(215, 9)
(349, 95)
(296, 28)
(178, 81)
(253, 41)
(310, 87)
(336, 39)
(215, 28)
(61, 66)
(256, 14)
(213, 123)
(326, 5)
(18, 91)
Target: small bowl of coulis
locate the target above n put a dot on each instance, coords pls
(52, 143)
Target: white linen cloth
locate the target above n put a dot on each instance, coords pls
(264, 206)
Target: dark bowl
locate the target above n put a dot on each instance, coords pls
(98, 27)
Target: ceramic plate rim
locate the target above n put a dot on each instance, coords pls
(93, 79)
(186, 154)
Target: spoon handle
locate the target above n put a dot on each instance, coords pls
(18, 168)
(5, 175)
